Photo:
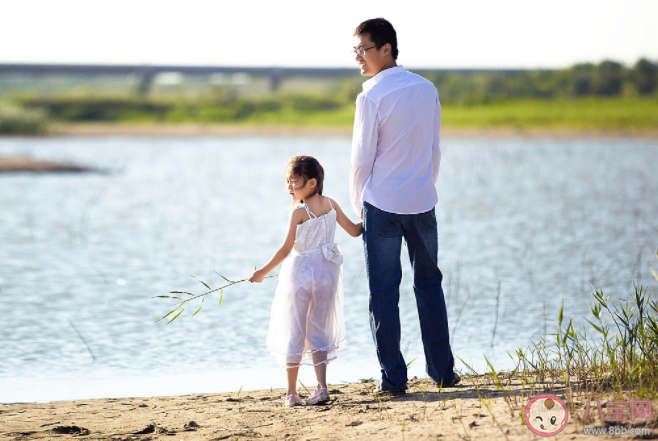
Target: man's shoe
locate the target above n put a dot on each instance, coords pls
(388, 392)
(450, 383)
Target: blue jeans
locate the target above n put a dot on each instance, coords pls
(382, 239)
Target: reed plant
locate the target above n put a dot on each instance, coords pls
(620, 353)
(615, 356)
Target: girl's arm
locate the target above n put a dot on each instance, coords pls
(350, 227)
(283, 251)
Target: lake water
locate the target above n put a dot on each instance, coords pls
(82, 254)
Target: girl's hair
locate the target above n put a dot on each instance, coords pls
(307, 167)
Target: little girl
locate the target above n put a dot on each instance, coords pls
(306, 325)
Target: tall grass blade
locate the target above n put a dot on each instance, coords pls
(409, 364)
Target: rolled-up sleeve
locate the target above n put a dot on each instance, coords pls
(364, 149)
(436, 147)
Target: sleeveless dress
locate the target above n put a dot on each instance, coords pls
(306, 323)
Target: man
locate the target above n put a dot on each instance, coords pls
(395, 167)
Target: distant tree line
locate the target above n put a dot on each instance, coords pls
(606, 79)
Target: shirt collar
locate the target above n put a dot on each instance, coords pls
(367, 85)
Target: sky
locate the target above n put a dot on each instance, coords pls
(434, 34)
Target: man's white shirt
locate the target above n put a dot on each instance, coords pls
(395, 146)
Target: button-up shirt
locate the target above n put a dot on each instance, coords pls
(395, 146)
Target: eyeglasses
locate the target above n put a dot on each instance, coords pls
(361, 52)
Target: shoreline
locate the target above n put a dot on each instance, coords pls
(474, 409)
(26, 164)
(212, 130)
(23, 164)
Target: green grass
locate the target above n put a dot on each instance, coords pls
(586, 113)
(311, 110)
(341, 117)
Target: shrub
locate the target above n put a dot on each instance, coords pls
(98, 109)
(17, 120)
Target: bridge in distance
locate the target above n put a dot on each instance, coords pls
(147, 73)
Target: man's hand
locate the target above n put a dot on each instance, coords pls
(258, 276)
(362, 214)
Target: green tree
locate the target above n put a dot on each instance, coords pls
(608, 78)
(581, 79)
(644, 76)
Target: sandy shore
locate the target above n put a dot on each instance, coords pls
(188, 130)
(27, 164)
(423, 413)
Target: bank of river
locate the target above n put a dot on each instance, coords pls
(282, 130)
(472, 410)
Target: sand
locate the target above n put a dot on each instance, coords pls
(354, 413)
(28, 164)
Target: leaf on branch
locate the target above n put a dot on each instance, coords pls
(170, 312)
(229, 281)
(195, 296)
(204, 283)
(197, 311)
(177, 315)
(181, 292)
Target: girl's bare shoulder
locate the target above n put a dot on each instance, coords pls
(326, 205)
(334, 204)
(298, 213)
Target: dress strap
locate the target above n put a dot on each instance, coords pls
(332, 205)
(310, 215)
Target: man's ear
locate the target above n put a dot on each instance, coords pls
(387, 48)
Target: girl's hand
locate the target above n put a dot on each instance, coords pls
(258, 276)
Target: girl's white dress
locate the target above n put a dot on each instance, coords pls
(307, 325)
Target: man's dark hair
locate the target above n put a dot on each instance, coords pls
(381, 32)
